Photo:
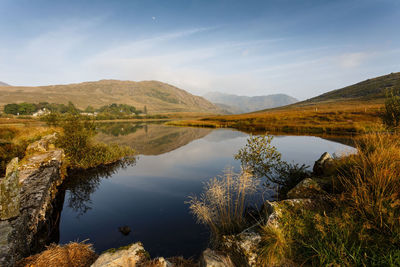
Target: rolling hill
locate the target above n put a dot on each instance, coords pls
(4, 84)
(158, 97)
(353, 109)
(242, 104)
(369, 90)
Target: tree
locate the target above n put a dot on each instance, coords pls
(90, 109)
(72, 109)
(391, 115)
(11, 109)
(145, 110)
(259, 156)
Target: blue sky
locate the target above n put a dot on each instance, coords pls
(301, 48)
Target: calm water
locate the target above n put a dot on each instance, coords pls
(149, 196)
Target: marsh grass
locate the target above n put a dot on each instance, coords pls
(223, 204)
(14, 141)
(346, 117)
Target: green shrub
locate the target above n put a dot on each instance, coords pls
(259, 155)
(391, 115)
(77, 141)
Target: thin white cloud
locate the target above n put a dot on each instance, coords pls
(352, 60)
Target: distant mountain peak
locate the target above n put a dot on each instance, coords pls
(241, 104)
(4, 84)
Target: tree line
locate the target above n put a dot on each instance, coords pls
(31, 108)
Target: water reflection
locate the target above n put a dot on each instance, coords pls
(149, 139)
(81, 184)
(148, 198)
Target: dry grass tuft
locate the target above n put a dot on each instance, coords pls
(222, 205)
(70, 255)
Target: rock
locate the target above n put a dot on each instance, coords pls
(212, 258)
(43, 145)
(323, 164)
(129, 256)
(244, 247)
(37, 178)
(308, 188)
(10, 192)
(275, 209)
(125, 230)
(161, 262)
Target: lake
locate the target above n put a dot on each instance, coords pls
(149, 196)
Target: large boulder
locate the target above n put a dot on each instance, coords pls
(27, 202)
(212, 258)
(133, 255)
(129, 256)
(42, 145)
(307, 188)
(323, 165)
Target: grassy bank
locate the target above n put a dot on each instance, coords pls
(74, 134)
(331, 118)
(353, 220)
(360, 227)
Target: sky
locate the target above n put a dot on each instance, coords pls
(298, 47)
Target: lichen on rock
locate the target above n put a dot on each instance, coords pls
(307, 188)
(10, 192)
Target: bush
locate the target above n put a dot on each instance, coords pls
(77, 141)
(391, 115)
(259, 155)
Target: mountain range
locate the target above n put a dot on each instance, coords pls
(241, 104)
(3, 84)
(158, 97)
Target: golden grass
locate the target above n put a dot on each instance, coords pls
(222, 205)
(343, 117)
(70, 255)
(359, 227)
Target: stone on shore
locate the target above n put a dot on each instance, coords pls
(212, 258)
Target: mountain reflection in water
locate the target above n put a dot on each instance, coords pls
(148, 197)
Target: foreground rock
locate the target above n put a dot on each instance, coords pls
(308, 188)
(129, 256)
(212, 258)
(26, 197)
(323, 165)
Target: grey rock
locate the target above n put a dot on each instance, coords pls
(212, 258)
(307, 188)
(10, 192)
(38, 177)
(244, 247)
(322, 165)
(127, 257)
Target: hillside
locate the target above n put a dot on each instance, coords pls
(4, 84)
(371, 89)
(350, 110)
(243, 104)
(158, 97)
